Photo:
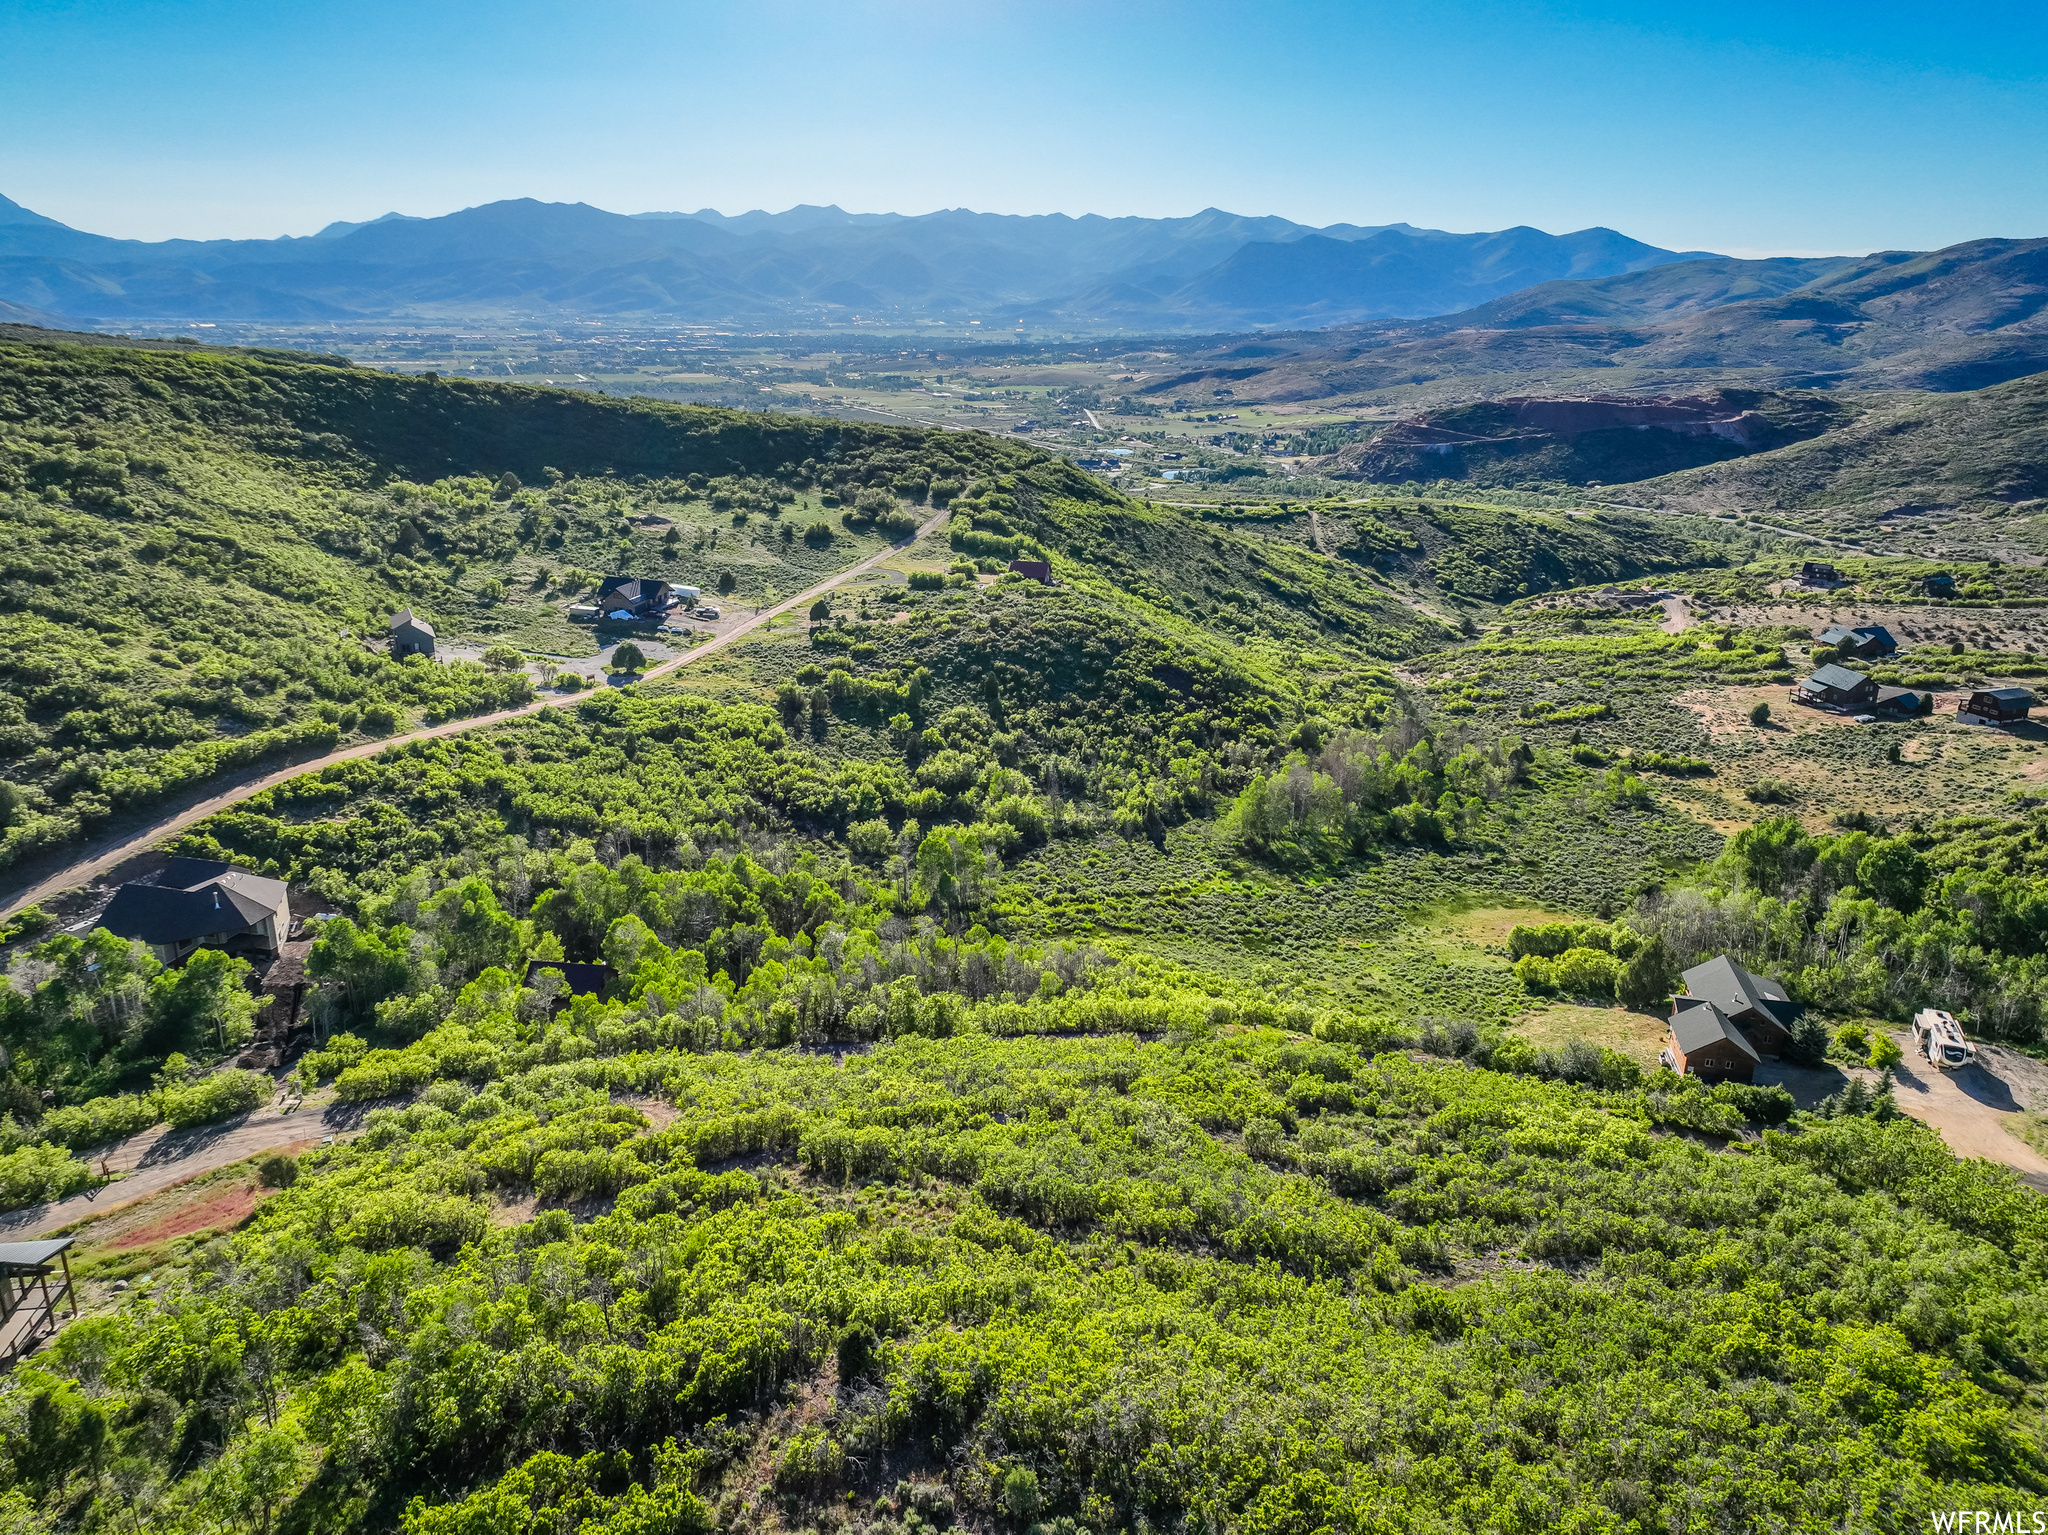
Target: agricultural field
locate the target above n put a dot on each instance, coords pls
(1169, 1048)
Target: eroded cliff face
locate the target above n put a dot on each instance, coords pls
(1588, 439)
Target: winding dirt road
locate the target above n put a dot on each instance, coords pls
(161, 1157)
(119, 849)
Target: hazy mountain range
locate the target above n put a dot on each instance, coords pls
(809, 265)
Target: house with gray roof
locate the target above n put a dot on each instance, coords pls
(1705, 1044)
(624, 599)
(1996, 706)
(1836, 687)
(411, 635)
(1905, 700)
(196, 904)
(1754, 1004)
(1865, 640)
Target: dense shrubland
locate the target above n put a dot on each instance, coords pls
(1110, 1279)
(959, 1138)
(200, 540)
(1497, 554)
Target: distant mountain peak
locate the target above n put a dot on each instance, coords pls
(12, 212)
(341, 227)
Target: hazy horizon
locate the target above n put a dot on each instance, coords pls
(1820, 129)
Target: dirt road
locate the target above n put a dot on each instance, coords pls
(115, 851)
(1973, 1109)
(158, 1158)
(1677, 615)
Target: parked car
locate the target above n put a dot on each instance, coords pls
(707, 611)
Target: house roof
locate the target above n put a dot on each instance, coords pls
(1908, 698)
(1838, 678)
(584, 980)
(1735, 991)
(1697, 1024)
(1863, 634)
(2007, 695)
(194, 898)
(632, 588)
(404, 618)
(32, 1254)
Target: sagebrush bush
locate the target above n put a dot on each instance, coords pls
(34, 1174)
(214, 1097)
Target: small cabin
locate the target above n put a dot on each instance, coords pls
(1996, 706)
(1038, 570)
(1865, 641)
(1836, 687)
(1815, 573)
(1905, 701)
(411, 635)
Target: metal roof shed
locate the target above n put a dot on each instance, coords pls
(28, 1310)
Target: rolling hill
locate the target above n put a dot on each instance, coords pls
(1964, 317)
(1582, 441)
(1955, 473)
(1159, 1051)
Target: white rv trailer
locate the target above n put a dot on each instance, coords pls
(1939, 1039)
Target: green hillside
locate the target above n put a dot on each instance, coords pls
(1966, 472)
(201, 543)
(1172, 1050)
(1580, 442)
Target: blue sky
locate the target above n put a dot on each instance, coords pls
(1786, 128)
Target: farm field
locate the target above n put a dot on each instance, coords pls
(1168, 1047)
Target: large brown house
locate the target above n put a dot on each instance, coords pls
(1750, 1008)
(1836, 687)
(1706, 1045)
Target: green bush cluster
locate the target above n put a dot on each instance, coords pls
(214, 1097)
(99, 1121)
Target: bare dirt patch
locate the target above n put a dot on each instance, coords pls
(1944, 767)
(1639, 1036)
(660, 1115)
(1976, 1110)
(1981, 1111)
(212, 1210)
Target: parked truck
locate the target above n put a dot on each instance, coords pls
(1939, 1040)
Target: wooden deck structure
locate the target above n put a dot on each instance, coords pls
(28, 1303)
